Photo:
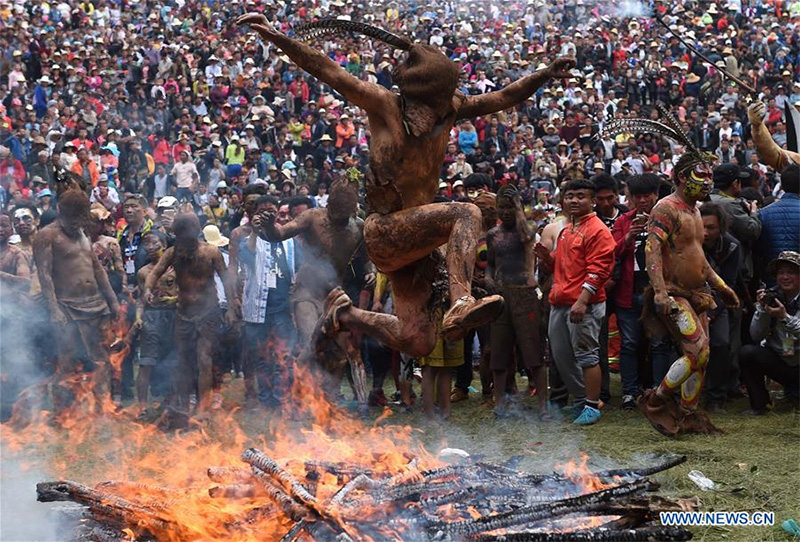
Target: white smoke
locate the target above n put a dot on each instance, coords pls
(22, 519)
(628, 9)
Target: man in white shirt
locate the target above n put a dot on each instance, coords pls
(186, 176)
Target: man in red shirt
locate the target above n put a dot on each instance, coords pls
(582, 264)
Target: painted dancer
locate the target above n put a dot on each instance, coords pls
(410, 132)
(681, 280)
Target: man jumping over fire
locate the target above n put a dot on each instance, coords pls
(680, 276)
(409, 134)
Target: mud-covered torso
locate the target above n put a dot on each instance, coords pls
(685, 265)
(197, 291)
(404, 169)
(327, 244)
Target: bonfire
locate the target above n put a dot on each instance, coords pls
(321, 473)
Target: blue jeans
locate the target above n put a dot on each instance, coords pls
(630, 330)
(185, 194)
(266, 348)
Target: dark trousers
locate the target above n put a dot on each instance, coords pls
(379, 360)
(719, 369)
(464, 371)
(264, 345)
(757, 362)
(631, 335)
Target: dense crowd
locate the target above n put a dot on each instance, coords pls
(159, 109)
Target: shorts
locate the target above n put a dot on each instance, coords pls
(518, 325)
(157, 339)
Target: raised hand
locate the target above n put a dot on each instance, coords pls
(259, 23)
(560, 67)
(756, 112)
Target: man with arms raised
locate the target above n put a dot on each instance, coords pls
(410, 132)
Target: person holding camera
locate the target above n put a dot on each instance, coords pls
(776, 326)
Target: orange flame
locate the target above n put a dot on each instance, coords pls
(165, 473)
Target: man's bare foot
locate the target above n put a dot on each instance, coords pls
(337, 301)
(469, 313)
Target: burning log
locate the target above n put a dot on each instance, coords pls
(626, 473)
(233, 491)
(538, 512)
(258, 460)
(229, 475)
(105, 504)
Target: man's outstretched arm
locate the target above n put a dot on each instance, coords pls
(373, 98)
(517, 92)
(275, 233)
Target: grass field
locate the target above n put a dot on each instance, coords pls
(755, 464)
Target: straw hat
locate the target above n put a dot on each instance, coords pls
(214, 237)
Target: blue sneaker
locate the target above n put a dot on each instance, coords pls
(589, 416)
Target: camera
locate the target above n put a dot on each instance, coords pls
(770, 296)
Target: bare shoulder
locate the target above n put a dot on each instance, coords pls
(47, 235)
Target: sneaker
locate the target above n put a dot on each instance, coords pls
(589, 416)
(628, 402)
(377, 398)
(458, 395)
(469, 313)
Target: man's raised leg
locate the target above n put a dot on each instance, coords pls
(400, 239)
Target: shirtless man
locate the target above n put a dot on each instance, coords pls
(680, 276)
(510, 247)
(197, 320)
(155, 321)
(410, 132)
(78, 294)
(334, 253)
(334, 257)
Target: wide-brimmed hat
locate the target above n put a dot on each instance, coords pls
(98, 212)
(788, 256)
(214, 237)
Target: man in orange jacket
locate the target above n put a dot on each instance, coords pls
(582, 264)
(86, 167)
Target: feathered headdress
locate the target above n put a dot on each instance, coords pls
(323, 27)
(670, 128)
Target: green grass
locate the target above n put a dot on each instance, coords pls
(756, 463)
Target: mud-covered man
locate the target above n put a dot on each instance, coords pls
(410, 132)
(334, 253)
(334, 256)
(78, 294)
(197, 318)
(510, 247)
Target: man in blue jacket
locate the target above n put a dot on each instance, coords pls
(779, 221)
